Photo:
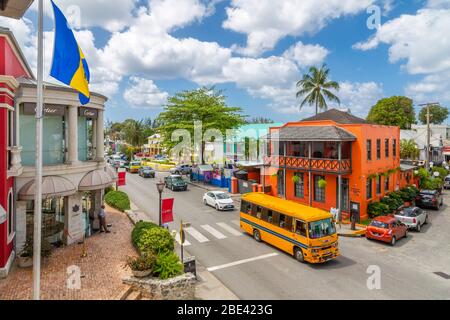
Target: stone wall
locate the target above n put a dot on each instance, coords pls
(178, 288)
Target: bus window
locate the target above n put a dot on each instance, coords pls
(287, 223)
(258, 211)
(300, 228)
(282, 221)
(246, 207)
(276, 218)
(269, 216)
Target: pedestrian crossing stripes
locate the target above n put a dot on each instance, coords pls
(196, 234)
(214, 232)
(236, 222)
(231, 230)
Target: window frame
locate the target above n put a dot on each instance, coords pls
(369, 149)
(10, 223)
(386, 148)
(299, 188)
(378, 185)
(369, 195)
(378, 149)
(394, 148)
(306, 228)
(319, 191)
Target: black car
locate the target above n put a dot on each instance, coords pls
(429, 199)
(175, 182)
(146, 172)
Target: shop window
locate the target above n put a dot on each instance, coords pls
(300, 228)
(299, 186)
(386, 148)
(319, 193)
(369, 149)
(378, 181)
(378, 149)
(369, 188)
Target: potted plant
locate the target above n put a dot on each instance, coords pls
(322, 183)
(141, 266)
(25, 257)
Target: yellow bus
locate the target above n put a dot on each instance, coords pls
(309, 234)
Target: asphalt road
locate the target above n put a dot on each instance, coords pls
(258, 271)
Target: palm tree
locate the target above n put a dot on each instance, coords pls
(315, 87)
(134, 132)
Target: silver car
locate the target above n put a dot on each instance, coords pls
(413, 217)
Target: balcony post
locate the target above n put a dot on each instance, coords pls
(339, 199)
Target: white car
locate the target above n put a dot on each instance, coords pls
(219, 200)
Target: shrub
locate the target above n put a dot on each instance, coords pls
(322, 184)
(167, 265)
(377, 209)
(108, 189)
(442, 172)
(396, 195)
(391, 203)
(142, 263)
(118, 200)
(156, 240)
(139, 228)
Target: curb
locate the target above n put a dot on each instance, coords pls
(351, 235)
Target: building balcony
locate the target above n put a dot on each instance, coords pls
(333, 166)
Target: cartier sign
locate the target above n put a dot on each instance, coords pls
(87, 112)
(48, 110)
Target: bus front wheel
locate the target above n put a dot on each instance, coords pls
(257, 235)
(298, 254)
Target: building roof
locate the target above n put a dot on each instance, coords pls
(8, 33)
(337, 116)
(14, 8)
(33, 83)
(311, 133)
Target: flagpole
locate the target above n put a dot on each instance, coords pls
(38, 161)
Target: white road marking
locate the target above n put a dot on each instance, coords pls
(214, 232)
(197, 235)
(178, 239)
(236, 222)
(227, 265)
(231, 230)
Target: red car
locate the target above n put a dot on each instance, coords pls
(386, 229)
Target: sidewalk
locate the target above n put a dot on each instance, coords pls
(344, 230)
(101, 270)
(208, 287)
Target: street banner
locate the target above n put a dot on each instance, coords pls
(121, 178)
(167, 210)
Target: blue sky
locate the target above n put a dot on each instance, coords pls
(141, 52)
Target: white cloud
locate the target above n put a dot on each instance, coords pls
(306, 55)
(94, 13)
(432, 88)
(265, 22)
(144, 93)
(359, 97)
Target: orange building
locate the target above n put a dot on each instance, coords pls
(334, 153)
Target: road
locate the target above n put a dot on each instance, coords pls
(253, 270)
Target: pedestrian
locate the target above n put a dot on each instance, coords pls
(102, 218)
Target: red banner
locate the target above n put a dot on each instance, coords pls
(167, 210)
(121, 178)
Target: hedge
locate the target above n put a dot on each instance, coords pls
(118, 200)
(138, 229)
(156, 240)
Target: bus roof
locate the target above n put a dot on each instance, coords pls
(289, 207)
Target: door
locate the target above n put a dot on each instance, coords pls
(280, 183)
(345, 198)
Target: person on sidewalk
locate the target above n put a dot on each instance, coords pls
(102, 218)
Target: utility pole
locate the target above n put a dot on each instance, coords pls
(427, 165)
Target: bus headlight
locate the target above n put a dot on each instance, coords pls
(314, 250)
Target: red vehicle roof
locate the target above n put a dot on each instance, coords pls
(385, 219)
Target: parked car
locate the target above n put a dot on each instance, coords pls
(181, 169)
(447, 182)
(134, 166)
(175, 182)
(219, 200)
(429, 199)
(413, 217)
(386, 229)
(146, 172)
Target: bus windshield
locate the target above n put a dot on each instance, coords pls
(321, 228)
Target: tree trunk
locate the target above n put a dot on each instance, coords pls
(203, 152)
(317, 106)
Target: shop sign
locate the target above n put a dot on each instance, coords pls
(87, 112)
(49, 109)
(167, 210)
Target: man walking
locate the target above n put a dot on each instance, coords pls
(102, 218)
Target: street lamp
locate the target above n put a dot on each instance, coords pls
(160, 187)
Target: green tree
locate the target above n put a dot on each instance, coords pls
(393, 111)
(204, 104)
(438, 114)
(134, 132)
(316, 88)
(409, 149)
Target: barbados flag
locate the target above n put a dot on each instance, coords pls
(69, 65)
